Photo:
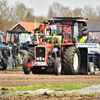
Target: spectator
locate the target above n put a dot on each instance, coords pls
(96, 39)
(6, 52)
(15, 51)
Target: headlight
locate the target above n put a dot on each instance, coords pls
(37, 58)
(43, 58)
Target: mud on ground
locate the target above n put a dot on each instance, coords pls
(18, 78)
(55, 97)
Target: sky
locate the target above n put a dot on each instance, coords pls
(41, 6)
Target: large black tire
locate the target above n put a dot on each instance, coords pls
(4, 64)
(22, 54)
(91, 67)
(31, 52)
(71, 61)
(26, 69)
(0, 55)
(19, 60)
(39, 70)
(57, 66)
(99, 64)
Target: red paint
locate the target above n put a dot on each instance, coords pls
(30, 64)
(69, 22)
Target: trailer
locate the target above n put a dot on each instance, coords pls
(93, 45)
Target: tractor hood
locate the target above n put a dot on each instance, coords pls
(49, 47)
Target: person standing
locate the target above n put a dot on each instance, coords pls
(6, 52)
(15, 51)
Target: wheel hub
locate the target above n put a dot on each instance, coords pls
(75, 64)
(59, 67)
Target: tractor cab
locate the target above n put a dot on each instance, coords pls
(78, 25)
(22, 38)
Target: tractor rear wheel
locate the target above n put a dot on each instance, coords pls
(57, 66)
(4, 64)
(99, 64)
(91, 67)
(26, 69)
(71, 61)
(39, 70)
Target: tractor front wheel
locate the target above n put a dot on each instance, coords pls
(26, 69)
(4, 64)
(90, 67)
(57, 66)
(99, 64)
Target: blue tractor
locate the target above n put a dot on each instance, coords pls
(93, 45)
(3, 63)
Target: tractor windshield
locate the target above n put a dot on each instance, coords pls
(24, 38)
(94, 37)
(11, 38)
(18, 38)
(1, 37)
(61, 31)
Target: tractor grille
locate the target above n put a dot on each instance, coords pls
(40, 54)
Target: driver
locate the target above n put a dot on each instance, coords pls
(55, 42)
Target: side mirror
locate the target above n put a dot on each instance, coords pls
(74, 40)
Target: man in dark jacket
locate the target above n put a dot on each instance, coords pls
(6, 52)
(55, 43)
(15, 51)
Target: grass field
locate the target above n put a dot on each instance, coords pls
(18, 68)
(64, 86)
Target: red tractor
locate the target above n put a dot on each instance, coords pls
(70, 59)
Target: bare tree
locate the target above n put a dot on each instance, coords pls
(29, 15)
(4, 9)
(77, 12)
(19, 12)
(97, 10)
(40, 18)
(55, 9)
(51, 13)
(4, 25)
(89, 11)
(65, 11)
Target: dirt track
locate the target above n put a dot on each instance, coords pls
(18, 78)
